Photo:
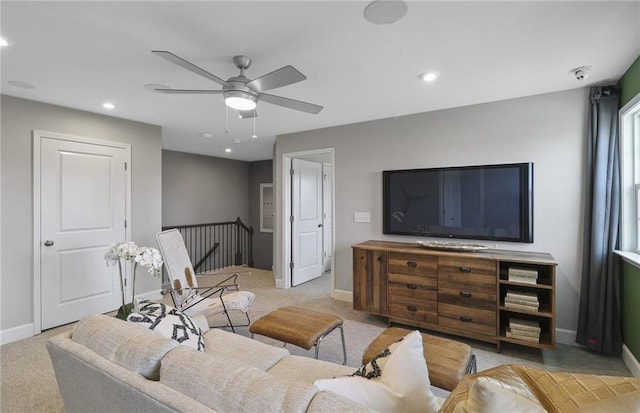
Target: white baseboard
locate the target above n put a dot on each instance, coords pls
(632, 363)
(567, 337)
(342, 295)
(279, 283)
(16, 333)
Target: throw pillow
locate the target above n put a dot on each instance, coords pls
(172, 324)
(488, 395)
(398, 380)
(151, 307)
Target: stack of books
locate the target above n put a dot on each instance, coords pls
(524, 330)
(520, 300)
(523, 275)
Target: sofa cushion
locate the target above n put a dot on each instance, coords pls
(307, 370)
(227, 385)
(399, 380)
(328, 402)
(253, 353)
(174, 325)
(135, 348)
(488, 395)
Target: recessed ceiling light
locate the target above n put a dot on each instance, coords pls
(3, 42)
(429, 76)
(385, 11)
(108, 105)
(206, 135)
(19, 83)
(228, 150)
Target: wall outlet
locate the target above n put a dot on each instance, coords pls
(361, 217)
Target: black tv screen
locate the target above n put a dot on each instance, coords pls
(489, 202)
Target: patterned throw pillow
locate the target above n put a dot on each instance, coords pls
(169, 323)
(151, 308)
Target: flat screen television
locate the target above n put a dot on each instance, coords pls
(488, 202)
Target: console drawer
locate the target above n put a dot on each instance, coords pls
(422, 288)
(414, 309)
(467, 270)
(469, 295)
(467, 319)
(414, 264)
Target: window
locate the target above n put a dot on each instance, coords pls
(630, 168)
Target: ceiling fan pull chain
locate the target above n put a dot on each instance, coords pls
(254, 136)
(226, 119)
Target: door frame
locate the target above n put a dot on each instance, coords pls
(285, 198)
(37, 137)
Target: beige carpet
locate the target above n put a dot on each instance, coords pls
(27, 382)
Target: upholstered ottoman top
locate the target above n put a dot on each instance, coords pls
(447, 360)
(295, 325)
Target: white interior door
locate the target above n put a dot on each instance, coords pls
(83, 211)
(327, 213)
(306, 226)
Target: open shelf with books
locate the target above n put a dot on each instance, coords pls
(526, 309)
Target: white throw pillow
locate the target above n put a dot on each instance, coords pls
(399, 380)
(488, 395)
(172, 324)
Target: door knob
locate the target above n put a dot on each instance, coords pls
(48, 243)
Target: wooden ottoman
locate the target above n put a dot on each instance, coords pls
(299, 326)
(447, 360)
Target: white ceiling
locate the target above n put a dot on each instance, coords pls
(81, 54)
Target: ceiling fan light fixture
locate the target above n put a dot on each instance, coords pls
(239, 100)
(429, 76)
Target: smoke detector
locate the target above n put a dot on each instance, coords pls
(581, 72)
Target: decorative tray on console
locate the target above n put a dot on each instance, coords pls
(452, 246)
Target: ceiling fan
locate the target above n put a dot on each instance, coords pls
(241, 93)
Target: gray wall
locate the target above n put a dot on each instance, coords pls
(260, 172)
(199, 189)
(548, 130)
(19, 118)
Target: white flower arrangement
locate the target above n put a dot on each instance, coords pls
(128, 251)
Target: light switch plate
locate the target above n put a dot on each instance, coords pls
(361, 217)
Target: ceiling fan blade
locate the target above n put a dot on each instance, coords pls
(189, 66)
(291, 103)
(189, 91)
(246, 114)
(282, 77)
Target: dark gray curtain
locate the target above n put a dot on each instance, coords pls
(599, 326)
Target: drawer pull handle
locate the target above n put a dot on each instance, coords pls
(466, 294)
(412, 307)
(379, 258)
(412, 286)
(465, 269)
(466, 319)
(412, 264)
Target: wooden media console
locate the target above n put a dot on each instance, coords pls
(460, 293)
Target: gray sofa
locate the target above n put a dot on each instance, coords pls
(107, 365)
